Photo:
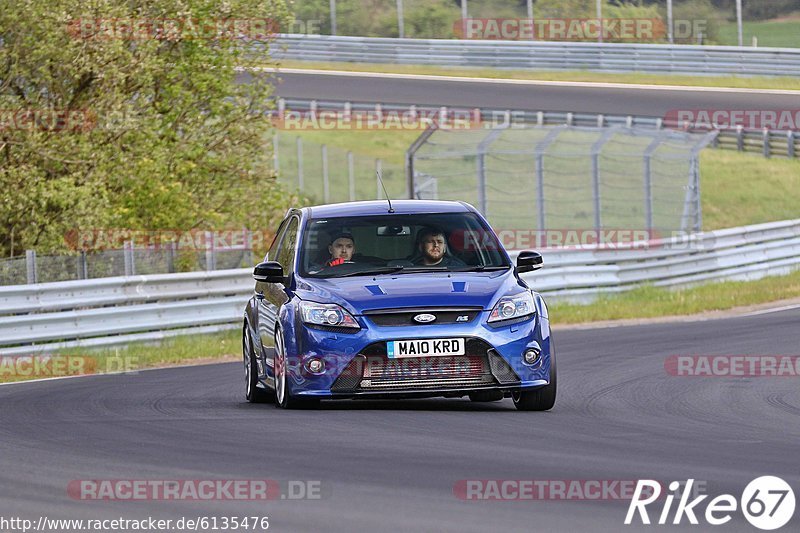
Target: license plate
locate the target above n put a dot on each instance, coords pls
(424, 348)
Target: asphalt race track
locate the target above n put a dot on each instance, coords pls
(610, 100)
(393, 465)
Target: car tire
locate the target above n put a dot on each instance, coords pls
(253, 393)
(542, 398)
(283, 390)
(486, 396)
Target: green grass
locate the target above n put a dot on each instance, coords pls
(367, 146)
(649, 302)
(780, 33)
(784, 83)
(134, 357)
(740, 189)
(387, 145)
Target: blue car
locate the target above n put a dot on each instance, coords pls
(408, 299)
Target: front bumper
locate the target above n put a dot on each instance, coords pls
(356, 364)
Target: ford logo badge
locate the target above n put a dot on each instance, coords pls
(424, 318)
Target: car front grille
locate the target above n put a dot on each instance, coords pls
(405, 317)
(500, 369)
(372, 370)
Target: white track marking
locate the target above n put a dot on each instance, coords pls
(775, 310)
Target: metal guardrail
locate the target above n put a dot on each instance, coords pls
(114, 311)
(538, 55)
(119, 310)
(112, 291)
(769, 143)
(745, 253)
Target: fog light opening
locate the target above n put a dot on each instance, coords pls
(315, 366)
(532, 356)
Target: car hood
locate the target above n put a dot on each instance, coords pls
(459, 289)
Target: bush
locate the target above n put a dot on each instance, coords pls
(433, 22)
(698, 10)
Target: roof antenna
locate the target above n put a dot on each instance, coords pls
(380, 180)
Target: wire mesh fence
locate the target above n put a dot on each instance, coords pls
(328, 174)
(129, 261)
(13, 271)
(545, 178)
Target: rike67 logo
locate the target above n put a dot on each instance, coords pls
(767, 503)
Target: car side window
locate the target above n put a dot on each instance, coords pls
(288, 246)
(276, 242)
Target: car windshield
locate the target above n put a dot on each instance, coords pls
(384, 244)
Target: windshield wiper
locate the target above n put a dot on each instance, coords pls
(377, 270)
(395, 269)
(412, 269)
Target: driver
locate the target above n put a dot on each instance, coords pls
(433, 249)
(341, 249)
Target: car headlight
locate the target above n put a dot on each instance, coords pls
(517, 306)
(327, 315)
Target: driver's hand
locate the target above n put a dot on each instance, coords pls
(335, 262)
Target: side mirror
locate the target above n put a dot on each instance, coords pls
(529, 261)
(269, 272)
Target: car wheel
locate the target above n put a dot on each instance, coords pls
(253, 393)
(543, 398)
(283, 393)
(486, 396)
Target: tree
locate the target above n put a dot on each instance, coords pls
(142, 128)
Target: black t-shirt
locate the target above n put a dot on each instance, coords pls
(447, 261)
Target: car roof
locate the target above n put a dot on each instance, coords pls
(381, 207)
